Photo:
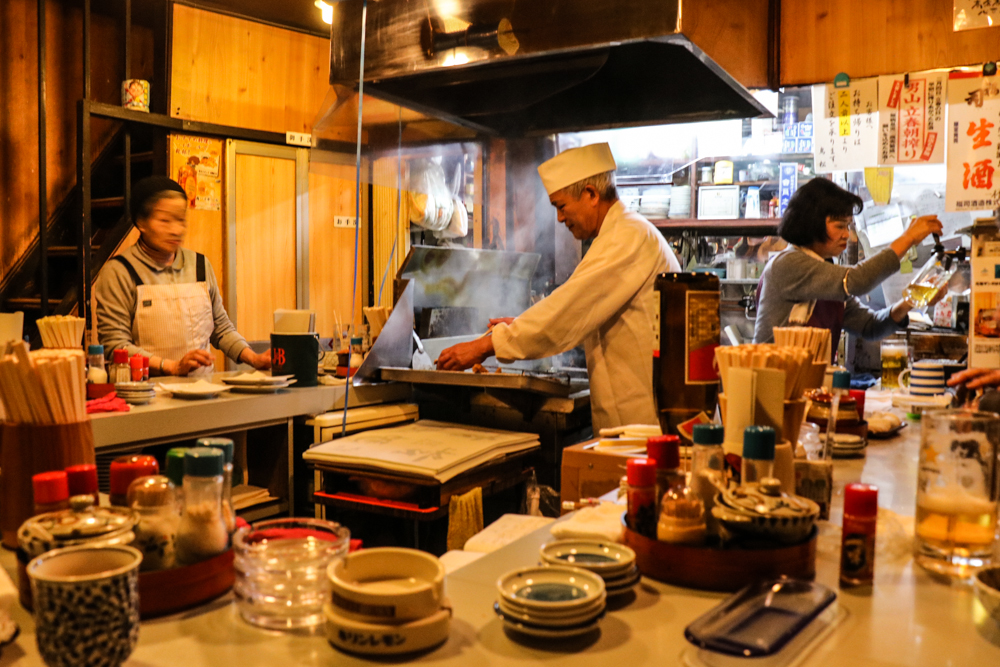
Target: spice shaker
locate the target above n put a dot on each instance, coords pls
(857, 546)
(641, 514)
(666, 451)
(83, 481)
(120, 371)
(202, 532)
(126, 468)
(225, 445)
(153, 500)
(758, 454)
(95, 365)
(51, 491)
(175, 472)
(135, 368)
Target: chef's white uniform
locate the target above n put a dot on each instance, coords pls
(609, 305)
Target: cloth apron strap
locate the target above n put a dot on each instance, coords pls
(128, 267)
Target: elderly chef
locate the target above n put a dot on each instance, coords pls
(608, 304)
(162, 301)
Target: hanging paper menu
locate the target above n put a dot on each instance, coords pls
(911, 118)
(974, 142)
(845, 126)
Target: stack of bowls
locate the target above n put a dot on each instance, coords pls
(135, 393)
(387, 601)
(614, 563)
(550, 602)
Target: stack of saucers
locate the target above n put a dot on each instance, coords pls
(387, 601)
(615, 563)
(550, 602)
(136, 393)
(258, 383)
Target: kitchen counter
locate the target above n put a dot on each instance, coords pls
(908, 620)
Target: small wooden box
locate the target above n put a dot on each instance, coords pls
(587, 473)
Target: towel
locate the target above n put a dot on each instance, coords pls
(107, 403)
(603, 522)
(465, 517)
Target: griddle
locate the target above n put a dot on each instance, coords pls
(539, 384)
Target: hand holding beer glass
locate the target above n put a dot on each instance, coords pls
(895, 358)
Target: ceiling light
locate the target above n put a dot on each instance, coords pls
(327, 10)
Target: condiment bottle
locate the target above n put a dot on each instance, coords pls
(126, 468)
(83, 481)
(202, 532)
(708, 467)
(666, 451)
(153, 500)
(357, 357)
(641, 514)
(225, 445)
(758, 454)
(95, 365)
(841, 387)
(135, 368)
(857, 546)
(120, 371)
(51, 490)
(682, 518)
(145, 369)
(175, 472)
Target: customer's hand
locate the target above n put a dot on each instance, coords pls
(974, 378)
(193, 360)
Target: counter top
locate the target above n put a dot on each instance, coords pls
(908, 619)
(167, 418)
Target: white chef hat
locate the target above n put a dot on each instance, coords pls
(573, 165)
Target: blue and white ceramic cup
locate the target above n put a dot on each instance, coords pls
(926, 378)
(86, 603)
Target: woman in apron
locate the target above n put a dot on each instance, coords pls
(162, 301)
(801, 286)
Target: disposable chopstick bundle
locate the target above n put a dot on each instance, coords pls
(42, 387)
(793, 361)
(61, 331)
(817, 341)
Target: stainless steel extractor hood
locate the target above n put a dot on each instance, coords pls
(517, 67)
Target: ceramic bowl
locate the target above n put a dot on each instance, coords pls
(534, 619)
(551, 587)
(780, 523)
(356, 636)
(604, 558)
(387, 584)
(547, 631)
(543, 615)
(987, 585)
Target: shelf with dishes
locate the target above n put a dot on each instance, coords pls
(718, 227)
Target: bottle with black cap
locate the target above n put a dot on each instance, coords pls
(758, 454)
(841, 387)
(202, 532)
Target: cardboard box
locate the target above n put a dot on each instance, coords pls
(589, 474)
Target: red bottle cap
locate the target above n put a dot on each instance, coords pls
(82, 479)
(126, 468)
(859, 397)
(50, 487)
(120, 356)
(135, 363)
(861, 500)
(665, 450)
(641, 472)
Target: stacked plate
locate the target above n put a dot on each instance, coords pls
(614, 563)
(258, 383)
(135, 393)
(848, 445)
(550, 602)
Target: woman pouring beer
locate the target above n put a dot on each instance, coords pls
(801, 286)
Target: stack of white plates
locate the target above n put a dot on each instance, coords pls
(258, 383)
(848, 445)
(387, 601)
(614, 563)
(135, 393)
(551, 602)
(680, 202)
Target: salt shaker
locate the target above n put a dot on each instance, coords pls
(202, 532)
(224, 445)
(152, 498)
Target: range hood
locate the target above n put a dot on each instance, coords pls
(530, 67)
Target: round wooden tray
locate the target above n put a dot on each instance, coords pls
(718, 569)
(167, 591)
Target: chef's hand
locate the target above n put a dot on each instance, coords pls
(261, 362)
(974, 378)
(466, 355)
(918, 230)
(500, 320)
(193, 360)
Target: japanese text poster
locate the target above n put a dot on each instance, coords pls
(911, 118)
(974, 142)
(984, 311)
(845, 126)
(194, 164)
(969, 14)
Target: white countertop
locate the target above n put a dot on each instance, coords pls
(908, 620)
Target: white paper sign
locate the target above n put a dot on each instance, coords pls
(974, 142)
(984, 309)
(911, 118)
(845, 134)
(971, 14)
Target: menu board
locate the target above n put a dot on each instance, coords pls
(911, 118)
(974, 143)
(845, 126)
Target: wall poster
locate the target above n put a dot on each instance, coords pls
(971, 14)
(911, 118)
(845, 126)
(195, 165)
(974, 142)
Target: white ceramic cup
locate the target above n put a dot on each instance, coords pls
(925, 378)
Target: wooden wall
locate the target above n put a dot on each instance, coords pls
(733, 33)
(18, 107)
(820, 38)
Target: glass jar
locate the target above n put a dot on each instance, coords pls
(758, 454)
(202, 532)
(96, 374)
(152, 498)
(641, 513)
(357, 355)
(224, 445)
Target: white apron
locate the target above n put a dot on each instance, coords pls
(172, 320)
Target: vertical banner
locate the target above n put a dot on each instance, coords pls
(788, 183)
(845, 126)
(974, 142)
(911, 118)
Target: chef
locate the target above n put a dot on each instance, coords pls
(608, 304)
(162, 301)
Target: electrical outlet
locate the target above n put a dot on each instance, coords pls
(345, 221)
(298, 139)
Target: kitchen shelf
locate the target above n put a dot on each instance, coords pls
(739, 281)
(732, 227)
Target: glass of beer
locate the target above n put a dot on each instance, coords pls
(957, 488)
(895, 358)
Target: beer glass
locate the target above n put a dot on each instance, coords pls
(957, 487)
(894, 359)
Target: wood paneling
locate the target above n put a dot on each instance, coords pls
(820, 38)
(733, 33)
(265, 242)
(236, 72)
(331, 249)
